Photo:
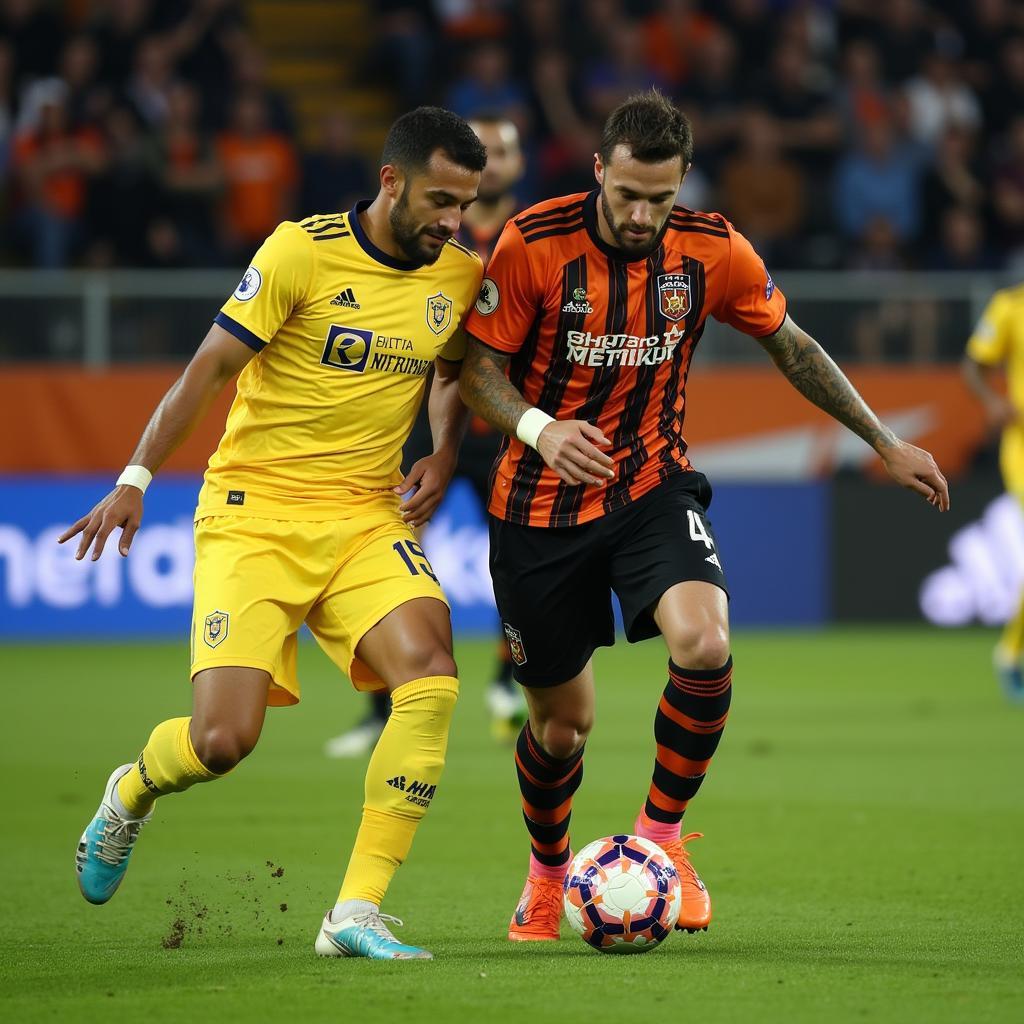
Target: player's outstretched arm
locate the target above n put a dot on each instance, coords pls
(216, 361)
(572, 448)
(816, 376)
(431, 475)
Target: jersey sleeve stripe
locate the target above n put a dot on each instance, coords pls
(455, 243)
(336, 234)
(243, 334)
(554, 222)
(680, 213)
(553, 232)
(695, 230)
(325, 226)
(564, 211)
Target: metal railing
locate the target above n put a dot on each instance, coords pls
(100, 317)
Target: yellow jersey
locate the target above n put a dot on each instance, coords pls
(998, 340)
(344, 335)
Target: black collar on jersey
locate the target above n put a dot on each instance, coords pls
(613, 252)
(369, 248)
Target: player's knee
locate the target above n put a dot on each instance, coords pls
(220, 748)
(563, 737)
(700, 648)
(418, 660)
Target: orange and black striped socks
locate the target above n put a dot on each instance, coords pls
(547, 785)
(689, 723)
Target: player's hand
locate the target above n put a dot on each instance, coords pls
(915, 468)
(430, 478)
(572, 448)
(1000, 412)
(121, 507)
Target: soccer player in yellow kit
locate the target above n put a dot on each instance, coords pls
(301, 516)
(998, 342)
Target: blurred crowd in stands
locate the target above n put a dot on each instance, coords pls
(871, 134)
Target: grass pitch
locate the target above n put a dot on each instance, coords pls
(864, 820)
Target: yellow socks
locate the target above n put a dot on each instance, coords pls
(401, 780)
(167, 764)
(1011, 644)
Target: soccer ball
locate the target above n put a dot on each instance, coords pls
(622, 894)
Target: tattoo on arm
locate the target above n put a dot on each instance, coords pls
(815, 375)
(486, 389)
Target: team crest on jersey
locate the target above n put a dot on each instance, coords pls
(515, 644)
(215, 629)
(674, 295)
(439, 312)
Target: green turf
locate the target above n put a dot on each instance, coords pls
(864, 820)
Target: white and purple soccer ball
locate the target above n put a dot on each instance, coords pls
(622, 894)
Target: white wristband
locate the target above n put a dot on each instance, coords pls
(530, 424)
(135, 476)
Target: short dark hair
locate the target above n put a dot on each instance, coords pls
(415, 136)
(653, 127)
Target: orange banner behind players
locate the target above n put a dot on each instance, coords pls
(55, 420)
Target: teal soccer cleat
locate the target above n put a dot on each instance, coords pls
(365, 935)
(103, 850)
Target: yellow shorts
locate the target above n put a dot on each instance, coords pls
(258, 580)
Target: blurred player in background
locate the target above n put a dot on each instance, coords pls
(579, 350)
(998, 344)
(481, 226)
(300, 519)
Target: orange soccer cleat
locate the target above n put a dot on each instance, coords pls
(695, 914)
(539, 913)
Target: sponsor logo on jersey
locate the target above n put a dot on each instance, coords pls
(346, 297)
(439, 312)
(621, 349)
(674, 295)
(250, 284)
(516, 648)
(578, 303)
(487, 300)
(236, 498)
(769, 288)
(355, 349)
(215, 628)
(347, 348)
(416, 792)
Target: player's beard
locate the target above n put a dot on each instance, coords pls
(622, 240)
(409, 235)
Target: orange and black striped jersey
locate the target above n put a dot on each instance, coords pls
(600, 337)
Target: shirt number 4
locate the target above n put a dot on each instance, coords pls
(414, 557)
(698, 531)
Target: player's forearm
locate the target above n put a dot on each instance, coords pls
(979, 379)
(486, 389)
(447, 413)
(811, 370)
(179, 411)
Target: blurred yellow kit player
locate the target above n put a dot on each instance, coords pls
(300, 519)
(998, 344)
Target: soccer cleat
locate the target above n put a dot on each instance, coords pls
(1011, 676)
(366, 935)
(508, 711)
(358, 741)
(103, 850)
(695, 913)
(538, 915)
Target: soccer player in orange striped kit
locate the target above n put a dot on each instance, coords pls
(580, 347)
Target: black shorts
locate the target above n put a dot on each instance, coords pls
(553, 585)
